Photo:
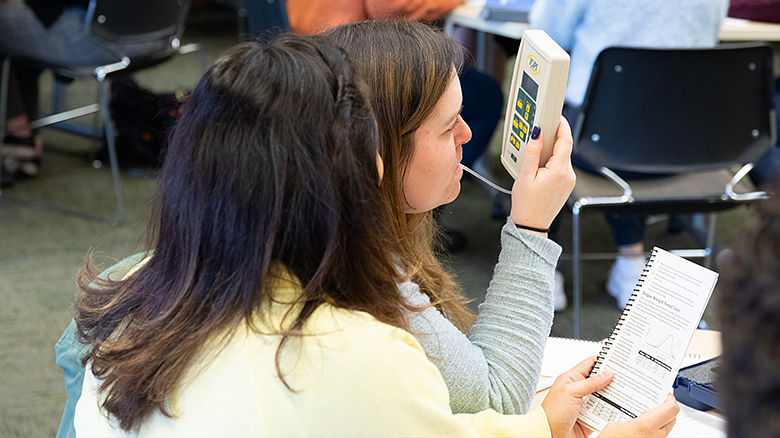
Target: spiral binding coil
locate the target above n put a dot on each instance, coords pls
(608, 343)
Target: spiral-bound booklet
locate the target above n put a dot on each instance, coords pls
(648, 344)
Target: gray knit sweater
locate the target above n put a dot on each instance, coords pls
(499, 365)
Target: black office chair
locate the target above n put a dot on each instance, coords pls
(160, 23)
(694, 116)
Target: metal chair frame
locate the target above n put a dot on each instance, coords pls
(107, 22)
(600, 132)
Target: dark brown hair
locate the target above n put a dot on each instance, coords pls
(748, 306)
(408, 66)
(272, 165)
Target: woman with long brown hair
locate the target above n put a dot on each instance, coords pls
(496, 362)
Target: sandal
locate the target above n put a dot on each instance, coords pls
(29, 148)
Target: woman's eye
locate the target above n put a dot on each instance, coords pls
(458, 119)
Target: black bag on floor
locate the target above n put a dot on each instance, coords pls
(142, 120)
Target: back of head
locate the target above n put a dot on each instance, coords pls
(749, 311)
(407, 66)
(272, 164)
(274, 146)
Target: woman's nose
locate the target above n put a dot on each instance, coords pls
(463, 132)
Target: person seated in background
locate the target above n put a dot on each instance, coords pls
(268, 304)
(48, 32)
(584, 28)
(748, 308)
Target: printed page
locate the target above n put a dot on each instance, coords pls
(649, 342)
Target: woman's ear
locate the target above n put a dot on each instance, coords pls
(380, 166)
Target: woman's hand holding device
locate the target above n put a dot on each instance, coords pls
(539, 192)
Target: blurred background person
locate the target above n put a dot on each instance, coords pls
(748, 308)
(584, 28)
(49, 32)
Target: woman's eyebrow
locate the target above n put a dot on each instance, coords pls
(455, 117)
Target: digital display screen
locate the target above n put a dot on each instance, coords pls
(529, 86)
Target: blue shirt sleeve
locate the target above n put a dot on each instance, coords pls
(69, 353)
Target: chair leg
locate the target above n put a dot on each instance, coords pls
(6, 73)
(109, 131)
(57, 95)
(243, 27)
(576, 269)
(4, 97)
(710, 240)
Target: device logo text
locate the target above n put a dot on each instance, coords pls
(533, 64)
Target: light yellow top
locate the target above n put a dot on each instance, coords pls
(352, 376)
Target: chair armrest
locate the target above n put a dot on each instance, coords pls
(626, 198)
(729, 190)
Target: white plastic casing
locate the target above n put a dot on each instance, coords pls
(536, 99)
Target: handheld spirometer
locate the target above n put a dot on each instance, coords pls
(536, 99)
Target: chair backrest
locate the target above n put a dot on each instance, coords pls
(678, 110)
(137, 20)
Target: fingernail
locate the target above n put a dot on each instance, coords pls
(535, 133)
(606, 375)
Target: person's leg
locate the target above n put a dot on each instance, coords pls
(20, 141)
(483, 101)
(767, 168)
(65, 42)
(629, 233)
(482, 104)
(22, 105)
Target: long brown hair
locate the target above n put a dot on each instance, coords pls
(272, 165)
(748, 309)
(408, 66)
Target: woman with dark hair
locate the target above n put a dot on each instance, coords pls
(268, 221)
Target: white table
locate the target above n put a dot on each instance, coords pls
(690, 422)
(469, 15)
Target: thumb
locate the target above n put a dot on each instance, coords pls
(592, 384)
(532, 153)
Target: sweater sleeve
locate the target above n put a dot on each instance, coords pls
(559, 18)
(499, 366)
(414, 10)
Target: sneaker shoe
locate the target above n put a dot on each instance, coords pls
(623, 277)
(559, 293)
